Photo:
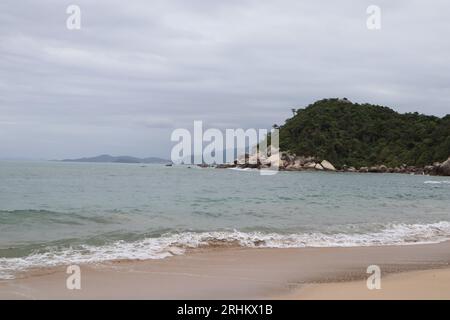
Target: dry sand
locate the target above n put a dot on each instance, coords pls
(413, 285)
(239, 273)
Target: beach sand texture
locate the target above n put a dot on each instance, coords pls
(242, 273)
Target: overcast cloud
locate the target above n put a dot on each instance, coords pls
(138, 69)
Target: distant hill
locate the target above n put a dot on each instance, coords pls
(353, 134)
(106, 158)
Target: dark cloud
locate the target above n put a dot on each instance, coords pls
(138, 69)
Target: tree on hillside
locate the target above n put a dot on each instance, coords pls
(364, 134)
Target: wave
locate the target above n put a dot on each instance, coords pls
(177, 244)
(437, 182)
(244, 169)
(46, 216)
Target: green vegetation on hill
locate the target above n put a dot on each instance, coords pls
(352, 134)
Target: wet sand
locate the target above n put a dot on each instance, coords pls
(241, 273)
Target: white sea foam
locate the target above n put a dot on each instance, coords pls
(244, 169)
(437, 182)
(176, 244)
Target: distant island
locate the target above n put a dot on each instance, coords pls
(106, 158)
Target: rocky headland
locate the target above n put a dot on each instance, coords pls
(339, 135)
(292, 162)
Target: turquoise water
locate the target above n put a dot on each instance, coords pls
(56, 213)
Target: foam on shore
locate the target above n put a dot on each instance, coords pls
(176, 244)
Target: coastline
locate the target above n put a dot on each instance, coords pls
(291, 162)
(243, 273)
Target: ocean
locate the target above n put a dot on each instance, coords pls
(55, 213)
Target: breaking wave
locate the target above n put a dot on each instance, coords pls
(177, 244)
(437, 182)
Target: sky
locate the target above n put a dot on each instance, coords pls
(137, 70)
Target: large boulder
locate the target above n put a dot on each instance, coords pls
(444, 168)
(262, 159)
(429, 170)
(288, 158)
(310, 165)
(253, 159)
(318, 167)
(295, 166)
(283, 164)
(273, 159)
(300, 160)
(327, 165)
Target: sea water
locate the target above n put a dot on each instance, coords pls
(54, 213)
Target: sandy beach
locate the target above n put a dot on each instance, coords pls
(408, 272)
(412, 285)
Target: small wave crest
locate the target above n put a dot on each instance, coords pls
(176, 244)
(244, 169)
(437, 182)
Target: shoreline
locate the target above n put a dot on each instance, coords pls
(191, 243)
(292, 162)
(244, 273)
(415, 171)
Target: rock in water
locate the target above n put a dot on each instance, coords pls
(374, 169)
(318, 167)
(327, 165)
(444, 168)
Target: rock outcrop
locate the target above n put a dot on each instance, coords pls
(444, 168)
(292, 162)
(319, 167)
(310, 165)
(327, 165)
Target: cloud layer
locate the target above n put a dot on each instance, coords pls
(138, 69)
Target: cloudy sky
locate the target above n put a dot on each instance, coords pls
(138, 69)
